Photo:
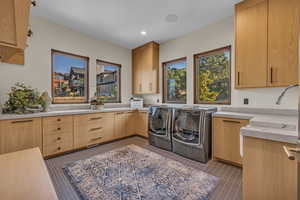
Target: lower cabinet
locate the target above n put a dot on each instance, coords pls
(142, 123)
(93, 129)
(124, 124)
(16, 135)
(57, 135)
(226, 139)
(267, 171)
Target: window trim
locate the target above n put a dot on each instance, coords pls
(86, 99)
(164, 89)
(195, 75)
(120, 84)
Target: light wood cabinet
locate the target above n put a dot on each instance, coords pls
(57, 135)
(267, 171)
(283, 38)
(142, 123)
(125, 124)
(226, 139)
(266, 41)
(93, 129)
(251, 40)
(16, 135)
(145, 67)
(14, 17)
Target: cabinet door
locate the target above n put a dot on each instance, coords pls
(109, 127)
(16, 135)
(251, 37)
(142, 125)
(130, 123)
(283, 42)
(226, 139)
(137, 71)
(8, 23)
(120, 125)
(267, 171)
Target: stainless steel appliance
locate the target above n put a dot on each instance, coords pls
(160, 121)
(191, 132)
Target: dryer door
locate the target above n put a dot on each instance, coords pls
(158, 121)
(186, 127)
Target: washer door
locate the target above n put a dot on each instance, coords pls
(186, 127)
(158, 122)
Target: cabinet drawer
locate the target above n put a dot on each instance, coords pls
(48, 121)
(58, 148)
(57, 128)
(91, 117)
(57, 138)
(55, 125)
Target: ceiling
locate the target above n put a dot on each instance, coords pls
(121, 21)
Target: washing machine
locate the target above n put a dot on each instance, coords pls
(192, 132)
(160, 122)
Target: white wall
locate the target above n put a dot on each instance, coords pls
(47, 36)
(208, 38)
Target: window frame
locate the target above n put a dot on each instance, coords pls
(196, 101)
(164, 79)
(61, 101)
(120, 74)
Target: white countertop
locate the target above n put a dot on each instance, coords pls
(65, 112)
(277, 125)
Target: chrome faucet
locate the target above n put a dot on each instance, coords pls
(283, 93)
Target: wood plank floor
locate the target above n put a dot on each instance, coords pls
(229, 188)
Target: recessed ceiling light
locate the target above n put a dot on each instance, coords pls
(143, 33)
(171, 18)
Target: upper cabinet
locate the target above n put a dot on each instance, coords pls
(266, 39)
(14, 17)
(251, 43)
(145, 66)
(283, 41)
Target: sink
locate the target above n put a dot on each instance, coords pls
(274, 124)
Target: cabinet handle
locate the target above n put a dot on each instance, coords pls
(95, 129)
(29, 33)
(58, 119)
(59, 138)
(95, 118)
(271, 75)
(33, 3)
(231, 121)
(23, 121)
(59, 148)
(98, 138)
(58, 129)
(238, 78)
(288, 152)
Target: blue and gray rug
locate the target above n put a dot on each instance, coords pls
(134, 173)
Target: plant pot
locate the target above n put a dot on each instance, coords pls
(99, 107)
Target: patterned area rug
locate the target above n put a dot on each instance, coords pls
(134, 173)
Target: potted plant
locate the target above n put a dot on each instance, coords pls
(97, 103)
(23, 99)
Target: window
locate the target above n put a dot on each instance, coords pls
(212, 77)
(69, 78)
(174, 84)
(108, 81)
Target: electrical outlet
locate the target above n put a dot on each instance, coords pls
(246, 101)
